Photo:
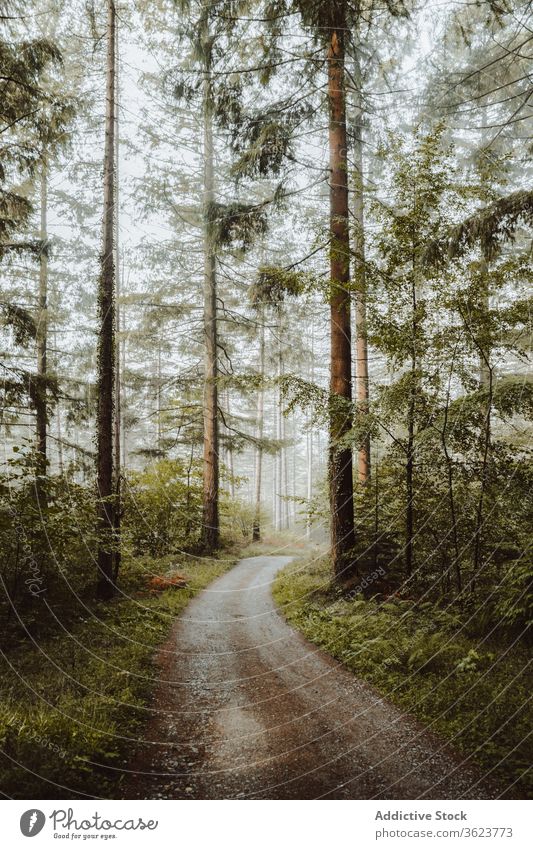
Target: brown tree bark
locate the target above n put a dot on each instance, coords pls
(283, 492)
(340, 458)
(106, 336)
(256, 531)
(41, 414)
(310, 442)
(361, 374)
(411, 413)
(118, 397)
(210, 523)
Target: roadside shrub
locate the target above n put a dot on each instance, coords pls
(163, 508)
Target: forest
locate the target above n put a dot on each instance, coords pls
(266, 293)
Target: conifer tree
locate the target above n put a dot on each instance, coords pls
(106, 334)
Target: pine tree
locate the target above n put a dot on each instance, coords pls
(106, 338)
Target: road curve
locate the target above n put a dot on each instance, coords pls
(247, 708)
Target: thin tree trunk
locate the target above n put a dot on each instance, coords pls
(375, 546)
(274, 463)
(340, 458)
(282, 467)
(409, 477)
(310, 442)
(275, 517)
(309, 481)
(60, 463)
(118, 400)
(410, 460)
(42, 334)
(230, 464)
(122, 330)
(284, 504)
(158, 395)
(451, 493)
(58, 412)
(484, 355)
(210, 525)
(478, 541)
(294, 452)
(362, 388)
(277, 471)
(256, 532)
(106, 339)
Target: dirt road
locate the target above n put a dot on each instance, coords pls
(247, 708)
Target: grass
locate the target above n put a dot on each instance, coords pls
(473, 690)
(75, 696)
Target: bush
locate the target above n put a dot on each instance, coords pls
(473, 690)
(47, 535)
(163, 508)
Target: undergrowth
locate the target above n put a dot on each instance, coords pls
(472, 687)
(75, 690)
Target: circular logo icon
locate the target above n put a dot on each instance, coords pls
(32, 822)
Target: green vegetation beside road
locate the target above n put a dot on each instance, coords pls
(470, 685)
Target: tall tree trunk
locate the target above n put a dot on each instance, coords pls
(282, 466)
(58, 415)
(118, 402)
(310, 442)
(230, 451)
(210, 525)
(106, 338)
(485, 465)
(277, 412)
(158, 394)
(275, 462)
(484, 267)
(410, 459)
(277, 472)
(285, 458)
(361, 383)
(122, 329)
(42, 334)
(256, 532)
(409, 479)
(449, 471)
(294, 485)
(340, 458)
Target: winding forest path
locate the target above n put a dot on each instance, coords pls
(247, 708)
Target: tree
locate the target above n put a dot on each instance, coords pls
(210, 523)
(340, 454)
(256, 531)
(106, 335)
(35, 113)
(361, 359)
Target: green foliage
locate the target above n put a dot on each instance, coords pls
(236, 520)
(236, 224)
(456, 481)
(163, 508)
(470, 687)
(514, 595)
(73, 707)
(489, 228)
(263, 142)
(32, 118)
(47, 533)
(274, 284)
